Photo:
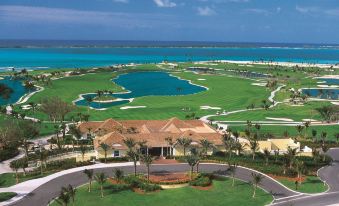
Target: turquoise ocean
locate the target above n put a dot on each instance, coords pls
(34, 54)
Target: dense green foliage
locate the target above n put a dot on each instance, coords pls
(221, 194)
(6, 196)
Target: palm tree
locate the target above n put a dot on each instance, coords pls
(267, 155)
(239, 147)
(71, 191)
(105, 147)
(15, 165)
(299, 166)
(147, 160)
(228, 143)
(232, 169)
(118, 174)
(101, 179)
(324, 148)
(191, 161)
(276, 154)
(88, 100)
(42, 154)
(133, 156)
(184, 142)
(256, 180)
(299, 128)
(323, 137)
(236, 135)
(130, 143)
(258, 127)
(306, 125)
(90, 175)
(290, 155)
(83, 150)
(64, 198)
(254, 146)
(205, 144)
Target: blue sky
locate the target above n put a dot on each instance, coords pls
(294, 21)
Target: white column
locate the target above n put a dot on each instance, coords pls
(162, 151)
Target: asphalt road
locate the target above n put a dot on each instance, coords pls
(48, 191)
(330, 174)
(283, 196)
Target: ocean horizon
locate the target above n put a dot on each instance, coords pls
(45, 54)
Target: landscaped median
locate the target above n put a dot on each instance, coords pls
(278, 168)
(6, 196)
(220, 193)
(308, 184)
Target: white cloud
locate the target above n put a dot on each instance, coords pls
(332, 12)
(45, 15)
(121, 1)
(278, 9)
(306, 9)
(164, 3)
(206, 11)
(225, 1)
(258, 11)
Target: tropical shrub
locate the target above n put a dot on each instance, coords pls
(114, 159)
(202, 181)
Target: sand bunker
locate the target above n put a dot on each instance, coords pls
(309, 120)
(132, 107)
(259, 84)
(209, 107)
(280, 119)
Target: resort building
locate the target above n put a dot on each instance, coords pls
(153, 133)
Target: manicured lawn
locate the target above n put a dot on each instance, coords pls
(311, 184)
(296, 113)
(225, 92)
(69, 88)
(222, 193)
(6, 196)
(7, 179)
(278, 130)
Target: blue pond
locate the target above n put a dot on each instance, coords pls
(141, 84)
(18, 90)
(322, 93)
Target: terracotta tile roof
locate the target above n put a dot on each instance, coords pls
(85, 127)
(109, 125)
(154, 132)
(113, 139)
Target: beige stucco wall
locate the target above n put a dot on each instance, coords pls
(101, 153)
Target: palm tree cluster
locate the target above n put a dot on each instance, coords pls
(298, 97)
(66, 196)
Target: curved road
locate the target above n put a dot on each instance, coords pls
(48, 191)
(329, 174)
(282, 195)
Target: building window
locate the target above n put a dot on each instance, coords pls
(116, 153)
(89, 136)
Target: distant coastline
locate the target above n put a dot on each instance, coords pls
(57, 54)
(154, 44)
